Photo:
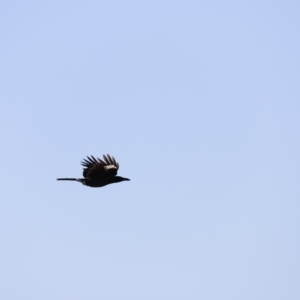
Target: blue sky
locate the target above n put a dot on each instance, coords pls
(199, 103)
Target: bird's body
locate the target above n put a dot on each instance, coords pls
(98, 172)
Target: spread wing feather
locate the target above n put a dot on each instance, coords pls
(97, 168)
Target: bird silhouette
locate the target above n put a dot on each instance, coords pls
(98, 172)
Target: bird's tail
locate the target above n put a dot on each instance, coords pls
(72, 179)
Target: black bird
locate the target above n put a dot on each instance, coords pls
(98, 172)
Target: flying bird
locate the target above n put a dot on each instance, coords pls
(98, 172)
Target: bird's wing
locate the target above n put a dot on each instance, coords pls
(98, 168)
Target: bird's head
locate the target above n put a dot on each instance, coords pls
(119, 179)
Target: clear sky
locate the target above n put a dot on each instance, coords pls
(198, 101)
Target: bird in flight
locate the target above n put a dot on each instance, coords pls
(98, 172)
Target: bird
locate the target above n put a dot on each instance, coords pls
(98, 172)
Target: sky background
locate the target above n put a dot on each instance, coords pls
(198, 101)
